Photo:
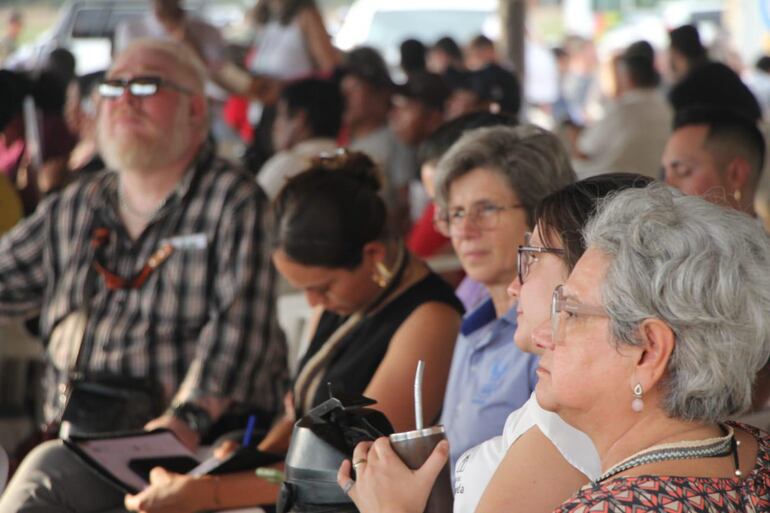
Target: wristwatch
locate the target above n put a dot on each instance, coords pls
(197, 418)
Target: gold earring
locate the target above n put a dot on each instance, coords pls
(382, 275)
(737, 195)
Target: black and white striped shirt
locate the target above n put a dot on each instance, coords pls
(203, 324)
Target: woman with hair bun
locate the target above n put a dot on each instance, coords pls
(378, 311)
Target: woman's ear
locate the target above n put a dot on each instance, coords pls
(374, 252)
(658, 341)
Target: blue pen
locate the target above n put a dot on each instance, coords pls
(249, 430)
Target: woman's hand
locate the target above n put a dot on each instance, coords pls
(173, 493)
(384, 484)
(226, 449)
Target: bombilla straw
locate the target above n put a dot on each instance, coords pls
(418, 394)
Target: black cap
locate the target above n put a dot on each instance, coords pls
(428, 88)
(367, 64)
(491, 83)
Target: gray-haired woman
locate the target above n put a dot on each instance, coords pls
(653, 343)
(487, 187)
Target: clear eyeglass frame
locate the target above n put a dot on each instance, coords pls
(560, 306)
(482, 215)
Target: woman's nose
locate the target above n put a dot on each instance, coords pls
(315, 298)
(514, 289)
(542, 336)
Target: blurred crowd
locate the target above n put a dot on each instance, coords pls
(149, 211)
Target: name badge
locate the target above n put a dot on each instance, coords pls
(187, 242)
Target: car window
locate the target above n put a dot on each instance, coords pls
(90, 23)
(119, 15)
(101, 23)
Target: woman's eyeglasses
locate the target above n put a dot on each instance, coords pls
(563, 309)
(140, 87)
(483, 215)
(527, 255)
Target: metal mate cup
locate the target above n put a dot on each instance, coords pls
(414, 447)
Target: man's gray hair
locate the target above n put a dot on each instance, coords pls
(188, 63)
(532, 160)
(704, 270)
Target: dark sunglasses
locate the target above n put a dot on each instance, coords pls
(138, 86)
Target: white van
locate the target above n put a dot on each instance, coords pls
(384, 24)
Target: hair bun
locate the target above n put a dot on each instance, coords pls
(353, 165)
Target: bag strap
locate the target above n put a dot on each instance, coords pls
(309, 379)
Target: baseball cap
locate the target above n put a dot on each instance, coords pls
(491, 83)
(427, 88)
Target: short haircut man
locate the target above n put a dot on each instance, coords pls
(308, 118)
(419, 107)
(715, 152)
(321, 103)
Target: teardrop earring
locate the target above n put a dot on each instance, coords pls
(638, 403)
(381, 275)
(737, 196)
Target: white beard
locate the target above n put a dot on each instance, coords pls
(140, 151)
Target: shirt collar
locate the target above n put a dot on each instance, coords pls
(479, 317)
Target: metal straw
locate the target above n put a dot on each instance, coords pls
(418, 394)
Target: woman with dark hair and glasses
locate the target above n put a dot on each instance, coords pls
(378, 311)
(539, 460)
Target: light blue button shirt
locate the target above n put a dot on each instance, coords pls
(490, 377)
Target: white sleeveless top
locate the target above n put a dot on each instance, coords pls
(282, 52)
(475, 468)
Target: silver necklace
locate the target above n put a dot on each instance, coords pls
(709, 448)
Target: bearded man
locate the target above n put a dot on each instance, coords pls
(155, 270)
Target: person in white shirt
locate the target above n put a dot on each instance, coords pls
(539, 461)
(168, 20)
(632, 134)
(308, 117)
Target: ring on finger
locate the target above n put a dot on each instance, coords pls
(347, 486)
(358, 462)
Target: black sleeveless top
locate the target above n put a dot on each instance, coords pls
(362, 350)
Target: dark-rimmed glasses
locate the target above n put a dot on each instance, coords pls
(483, 215)
(562, 308)
(526, 255)
(140, 87)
